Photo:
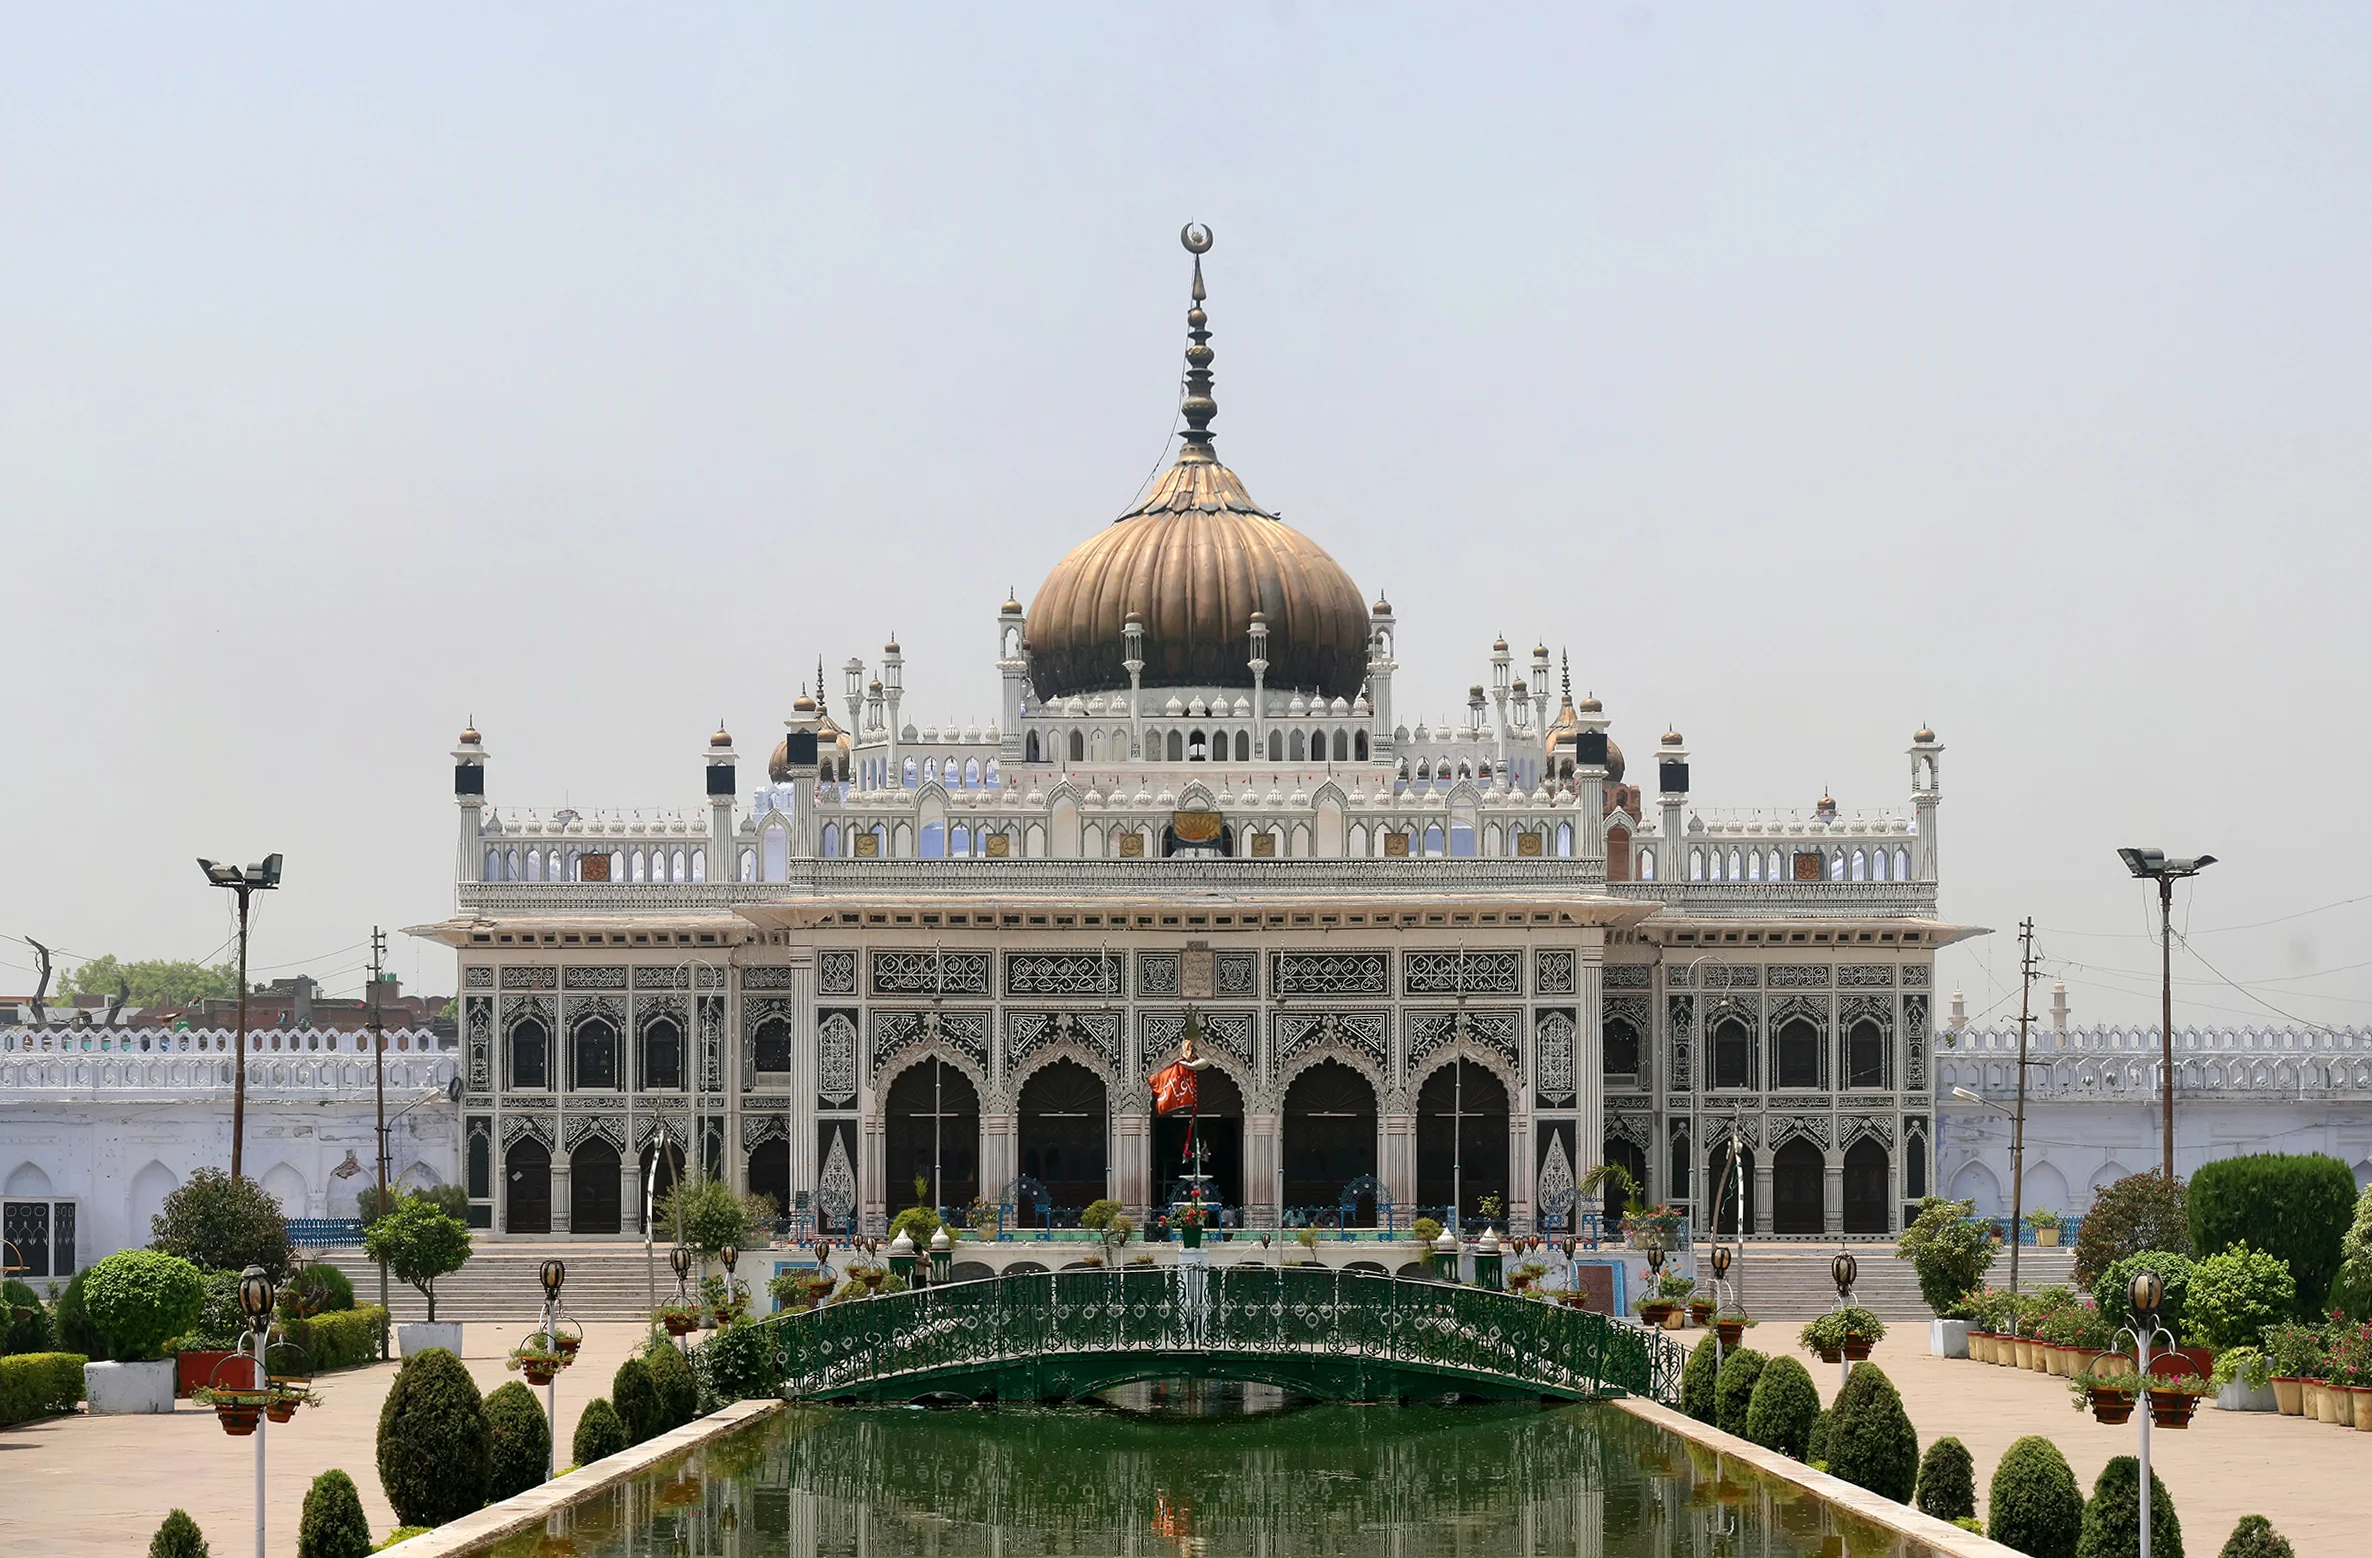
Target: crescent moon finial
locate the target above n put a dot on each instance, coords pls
(1196, 238)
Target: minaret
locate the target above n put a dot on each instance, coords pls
(1540, 688)
(1380, 665)
(801, 752)
(893, 686)
(1132, 633)
(469, 796)
(1927, 790)
(1671, 782)
(720, 757)
(1259, 667)
(1502, 673)
(1013, 665)
(1589, 770)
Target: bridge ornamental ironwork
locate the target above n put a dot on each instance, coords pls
(1061, 1335)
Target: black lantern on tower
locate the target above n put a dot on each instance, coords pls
(552, 1273)
(1843, 1270)
(255, 1297)
(730, 1255)
(1721, 1260)
(679, 1260)
(2148, 1296)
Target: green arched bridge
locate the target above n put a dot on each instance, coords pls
(1061, 1335)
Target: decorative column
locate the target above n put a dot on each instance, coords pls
(1927, 792)
(1589, 1062)
(1671, 770)
(1832, 1191)
(1264, 1189)
(561, 1191)
(1762, 1190)
(1132, 1157)
(871, 1174)
(629, 1187)
(1000, 1152)
(799, 1119)
(1397, 1157)
(469, 797)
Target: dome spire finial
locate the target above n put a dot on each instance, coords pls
(1198, 407)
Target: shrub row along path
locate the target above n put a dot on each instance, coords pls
(2307, 1478)
(99, 1485)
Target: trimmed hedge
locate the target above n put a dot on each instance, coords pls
(601, 1433)
(1947, 1481)
(2294, 1206)
(2235, 1294)
(72, 1322)
(1817, 1442)
(2112, 1521)
(24, 1320)
(1871, 1442)
(333, 1524)
(342, 1339)
(140, 1300)
(1780, 1413)
(1697, 1378)
(2255, 1537)
(178, 1537)
(522, 1440)
(2035, 1505)
(671, 1378)
(39, 1384)
(435, 1448)
(1733, 1389)
(636, 1401)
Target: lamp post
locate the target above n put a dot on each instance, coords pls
(1721, 1271)
(2152, 865)
(1842, 1271)
(679, 1260)
(552, 1273)
(256, 1299)
(2017, 1154)
(244, 885)
(2147, 1294)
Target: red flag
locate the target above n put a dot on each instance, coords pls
(1174, 1089)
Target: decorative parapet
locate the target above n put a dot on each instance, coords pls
(2271, 1065)
(177, 1063)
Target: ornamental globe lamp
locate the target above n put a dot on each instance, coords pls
(255, 1296)
(730, 1255)
(679, 1260)
(552, 1273)
(1843, 1270)
(1721, 1260)
(2148, 1294)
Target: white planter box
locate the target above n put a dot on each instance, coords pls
(2237, 1397)
(129, 1387)
(1947, 1338)
(419, 1337)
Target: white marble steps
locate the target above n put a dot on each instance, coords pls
(1784, 1281)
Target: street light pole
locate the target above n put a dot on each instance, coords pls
(379, 1094)
(258, 878)
(2153, 865)
(2018, 1127)
(256, 1300)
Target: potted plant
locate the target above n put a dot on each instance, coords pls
(1730, 1324)
(1190, 1226)
(1525, 1276)
(1653, 1308)
(2107, 1385)
(2045, 1224)
(419, 1242)
(538, 1357)
(282, 1399)
(568, 1336)
(1701, 1308)
(1858, 1330)
(2243, 1381)
(2293, 1353)
(1675, 1290)
(1824, 1336)
(238, 1410)
(2174, 1395)
(138, 1301)
(680, 1319)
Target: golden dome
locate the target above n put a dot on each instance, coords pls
(469, 732)
(1192, 563)
(720, 739)
(1671, 737)
(1923, 735)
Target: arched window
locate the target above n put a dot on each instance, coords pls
(1865, 1055)
(777, 844)
(535, 865)
(494, 874)
(1754, 866)
(1774, 872)
(663, 1055)
(1737, 867)
(1902, 870)
(1300, 748)
(635, 867)
(1861, 870)
(1564, 840)
(1619, 1052)
(1733, 1053)
(1198, 747)
(988, 775)
(749, 865)
(934, 841)
(699, 865)
(1836, 866)
(1276, 746)
(1175, 746)
(1647, 874)
(1696, 873)
(1029, 749)
(1461, 840)
(959, 842)
(1877, 865)
(1799, 1054)
(1342, 746)
(909, 773)
(1243, 746)
(594, 1063)
(771, 1046)
(1432, 838)
(531, 1044)
(678, 873)
(1078, 747)
(1359, 746)
(831, 840)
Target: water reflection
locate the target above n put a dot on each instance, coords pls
(1199, 1475)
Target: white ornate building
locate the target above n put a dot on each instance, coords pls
(1469, 959)
(2093, 1104)
(98, 1125)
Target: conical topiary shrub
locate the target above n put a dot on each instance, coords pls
(522, 1441)
(333, 1524)
(601, 1433)
(2254, 1537)
(1779, 1416)
(435, 1450)
(1697, 1378)
(1871, 1442)
(1733, 1389)
(178, 1537)
(1816, 1444)
(2034, 1504)
(1947, 1481)
(636, 1400)
(679, 1391)
(2112, 1520)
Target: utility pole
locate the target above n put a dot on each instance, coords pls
(2018, 1121)
(2154, 865)
(379, 1090)
(256, 878)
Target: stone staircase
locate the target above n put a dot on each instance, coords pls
(605, 1282)
(1790, 1281)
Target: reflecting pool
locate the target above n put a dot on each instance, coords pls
(1204, 1470)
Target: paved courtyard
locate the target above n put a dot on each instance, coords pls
(2307, 1478)
(99, 1485)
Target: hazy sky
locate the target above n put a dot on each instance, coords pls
(1809, 372)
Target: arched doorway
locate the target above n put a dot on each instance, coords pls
(1462, 1139)
(1726, 1190)
(932, 1116)
(593, 1187)
(1062, 1133)
(528, 1168)
(668, 1159)
(1329, 1136)
(1865, 1187)
(770, 1173)
(1797, 1170)
(1218, 1128)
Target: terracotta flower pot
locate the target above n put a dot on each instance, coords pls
(281, 1411)
(2343, 1404)
(2048, 1238)
(1729, 1331)
(2289, 1397)
(2361, 1399)
(1980, 1346)
(681, 1325)
(238, 1422)
(2111, 1406)
(2024, 1351)
(539, 1371)
(1831, 1354)
(1857, 1348)
(568, 1345)
(2172, 1408)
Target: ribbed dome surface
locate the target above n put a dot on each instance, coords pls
(1194, 562)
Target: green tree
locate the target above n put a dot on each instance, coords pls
(157, 982)
(419, 1243)
(24, 1320)
(2355, 1247)
(2294, 1206)
(522, 1441)
(1872, 1443)
(333, 1524)
(2254, 1537)
(218, 1223)
(2136, 1213)
(1780, 1413)
(140, 1300)
(2112, 1521)
(2034, 1504)
(1733, 1389)
(1947, 1481)
(436, 1449)
(706, 1215)
(601, 1433)
(2235, 1294)
(178, 1537)
(1947, 1250)
(2115, 1288)
(1697, 1378)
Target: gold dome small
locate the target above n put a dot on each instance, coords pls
(469, 732)
(720, 739)
(1923, 735)
(1671, 738)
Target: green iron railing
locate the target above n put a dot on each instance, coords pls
(1060, 1334)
